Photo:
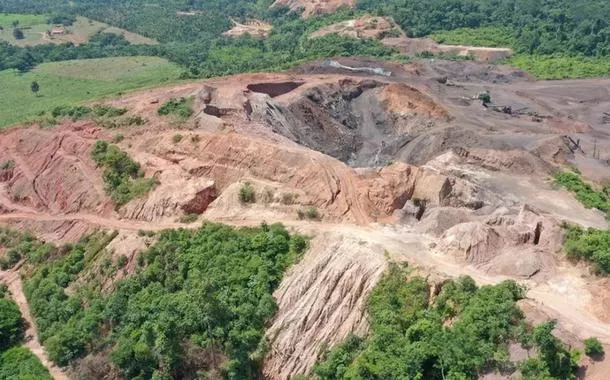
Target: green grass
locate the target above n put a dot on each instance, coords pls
(70, 82)
(562, 67)
(25, 20)
(485, 36)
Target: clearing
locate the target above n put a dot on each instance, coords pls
(36, 31)
(76, 81)
(398, 162)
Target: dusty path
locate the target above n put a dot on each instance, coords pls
(563, 296)
(13, 281)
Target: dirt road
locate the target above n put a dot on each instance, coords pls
(13, 281)
(562, 296)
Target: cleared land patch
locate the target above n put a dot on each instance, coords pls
(36, 30)
(72, 82)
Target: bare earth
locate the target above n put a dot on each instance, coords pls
(400, 161)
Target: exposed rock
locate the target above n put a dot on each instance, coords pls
(254, 28)
(314, 7)
(365, 27)
(519, 245)
(52, 169)
(174, 196)
(321, 301)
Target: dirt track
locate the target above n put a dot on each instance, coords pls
(474, 166)
(569, 306)
(13, 281)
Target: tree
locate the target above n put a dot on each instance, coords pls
(593, 347)
(18, 34)
(11, 324)
(35, 87)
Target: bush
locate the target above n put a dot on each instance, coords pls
(182, 107)
(485, 97)
(177, 138)
(19, 363)
(123, 176)
(18, 34)
(118, 138)
(593, 347)
(8, 164)
(188, 219)
(12, 326)
(289, 198)
(122, 261)
(583, 191)
(310, 213)
(73, 112)
(108, 111)
(591, 245)
(247, 194)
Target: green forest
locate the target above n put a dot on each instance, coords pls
(196, 305)
(461, 333)
(568, 30)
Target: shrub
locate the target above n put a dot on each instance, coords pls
(591, 245)
(593, 347)
(8, 164)
(118, 138)
(108, 111)
(20, 363)
(177, 138)
(289, 198)
(583, 191)
(73, 112)
(310, 213)
(195, 139)
(211, 287)
(247, 194)
(485, 97)
(12, 327)
(123, 176)
(182, 107)
(122, 261)
(189, 218)
(18, 34)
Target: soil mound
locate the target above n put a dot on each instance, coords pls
(314, 7)
(254, 28)
(321, 301)
(520, 245)
(51, 170)
(364, 27)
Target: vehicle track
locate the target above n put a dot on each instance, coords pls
(404, 245)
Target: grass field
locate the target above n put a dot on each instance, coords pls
(562, 67)
(25, 20)
(71, 82)
(35, 31)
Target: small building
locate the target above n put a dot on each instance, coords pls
(58, 30)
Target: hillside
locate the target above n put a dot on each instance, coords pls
(304, 190)
(37, 30)
(359, 182)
